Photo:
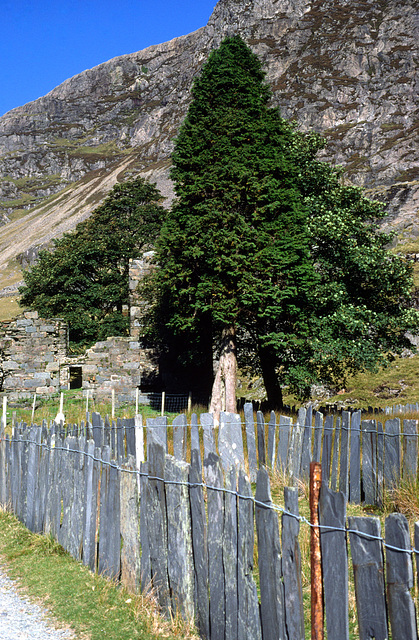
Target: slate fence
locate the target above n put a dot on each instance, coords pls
(187, 528)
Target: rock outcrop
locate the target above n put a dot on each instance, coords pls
(346, 69)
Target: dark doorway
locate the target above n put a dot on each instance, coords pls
(76, 377)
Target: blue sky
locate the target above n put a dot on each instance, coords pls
(44, 42)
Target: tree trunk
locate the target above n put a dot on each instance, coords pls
(223, 397)
(273, 389)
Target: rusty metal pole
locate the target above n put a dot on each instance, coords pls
(317, 631)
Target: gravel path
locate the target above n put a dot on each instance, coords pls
(22, 620)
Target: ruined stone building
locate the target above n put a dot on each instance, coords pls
(34, 356)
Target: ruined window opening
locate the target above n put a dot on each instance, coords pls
(76, 377)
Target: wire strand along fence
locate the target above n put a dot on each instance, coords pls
(187, 528)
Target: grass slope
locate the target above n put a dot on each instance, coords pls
(92, 606)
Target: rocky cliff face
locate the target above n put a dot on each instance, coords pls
(346, 69)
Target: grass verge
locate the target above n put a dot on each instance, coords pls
(94, 607)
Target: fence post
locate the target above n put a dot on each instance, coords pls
(317, 632)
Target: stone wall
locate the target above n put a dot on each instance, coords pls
(34, 355)
(31, 349)
(117, 363)
(137, 270)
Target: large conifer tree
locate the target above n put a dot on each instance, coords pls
(265, 245)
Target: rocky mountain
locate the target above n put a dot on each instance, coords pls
(346, 69)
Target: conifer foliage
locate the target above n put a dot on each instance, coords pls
(266, 254)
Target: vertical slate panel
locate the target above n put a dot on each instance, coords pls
(332, 512)
(230, 441)
(399, 577)
(104, 499)
(270, 569)
(295, 448)
(34, 437)
(410, 449)
(271, 440)
(207, 424)
(195, 441)
(250, 440)
(291, 567)
(215, 506)
(392, 453)
(110, 513)
(260, 427)
(97, 427)
(327, 448)
(335, 456)
(129, 424)
(42, 485)
(317, 439)
(368, 460)
(77, 499)
(179, 437)
(179, 540)
(157, 432)
(368, 567)
(344, 454)
(248, 626)
(66, 489)
(113, 517)
(283, 443)
(306, 449)
(53, 509)
(355, 462)
(91, 481)
(145, 577)
(230, 555)
(157, 524)
(380, 465)
(107, 437)
(120, 439)
(199, 543)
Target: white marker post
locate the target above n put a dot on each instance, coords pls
(33, 408)
(4, 411)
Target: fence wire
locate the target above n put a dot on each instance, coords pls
(203, 485)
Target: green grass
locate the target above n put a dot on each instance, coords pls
(92, 606)
(9, 308)
(74, 405)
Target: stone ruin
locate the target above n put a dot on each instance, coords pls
(34, 356)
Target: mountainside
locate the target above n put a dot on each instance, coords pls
(347, 69)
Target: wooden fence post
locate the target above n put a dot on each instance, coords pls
(317, 632)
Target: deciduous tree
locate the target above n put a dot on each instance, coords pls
(85, 277)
